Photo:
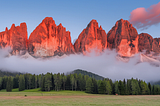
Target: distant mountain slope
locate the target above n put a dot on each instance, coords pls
(155, 83)
(90, 74)
(7, 73)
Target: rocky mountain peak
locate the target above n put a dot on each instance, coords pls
(123, 37)
(91, 38)
(49, 40)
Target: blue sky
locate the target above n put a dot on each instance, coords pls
(73, 14)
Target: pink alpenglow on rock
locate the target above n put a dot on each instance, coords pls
(156, 45)
(124, 38)
(16, 38)
(145, 42)
(92, 38)
(49, 40)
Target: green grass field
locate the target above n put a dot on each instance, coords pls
(73, 98)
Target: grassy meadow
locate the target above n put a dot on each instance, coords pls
(35, 97)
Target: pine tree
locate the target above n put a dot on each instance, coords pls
(125, 86)
(144, 88)
(52, 79)
(15, 81)
(79, 80)
(36, 81)
(4, 82)
(135, 89)
(57, 81)
(9, 84)
(43, 84)
(48, 82)
(108, 88)
(26, 77)
(89, 85)
(1, 83)
(121, 88)
(29, 81)
(149, 86)
(39, 80)
(116, 88)
(72, 81)
(32, 81)
(83, 83)
(75, 81)
(95, 86)
(64, 78)
(128, 91)
(157, 90)
(68, 83)
(21, 83)
(112, 86)
(153, 90)
(102, 88)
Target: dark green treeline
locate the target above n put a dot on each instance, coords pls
(49, 81)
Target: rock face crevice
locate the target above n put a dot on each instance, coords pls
(50, 40)
(91, 38)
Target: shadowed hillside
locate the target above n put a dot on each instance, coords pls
(83, 72)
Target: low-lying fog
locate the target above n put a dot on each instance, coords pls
(105, 65)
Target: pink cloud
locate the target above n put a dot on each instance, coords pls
(143, 18)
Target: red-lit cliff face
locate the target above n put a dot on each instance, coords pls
(124, 38)
(145, 42)
(91, 38)
(50, 40)
(148, 44)
(16, 38)
(156, 45)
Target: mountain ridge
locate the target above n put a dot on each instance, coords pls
(49, 39)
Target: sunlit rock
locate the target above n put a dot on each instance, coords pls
(16, 38)
(50, 40)
(92, 38)
(124, 38)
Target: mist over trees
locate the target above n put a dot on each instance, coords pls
(78, 82)
(7, 73)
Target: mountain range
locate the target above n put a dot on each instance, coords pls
(49, 39)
